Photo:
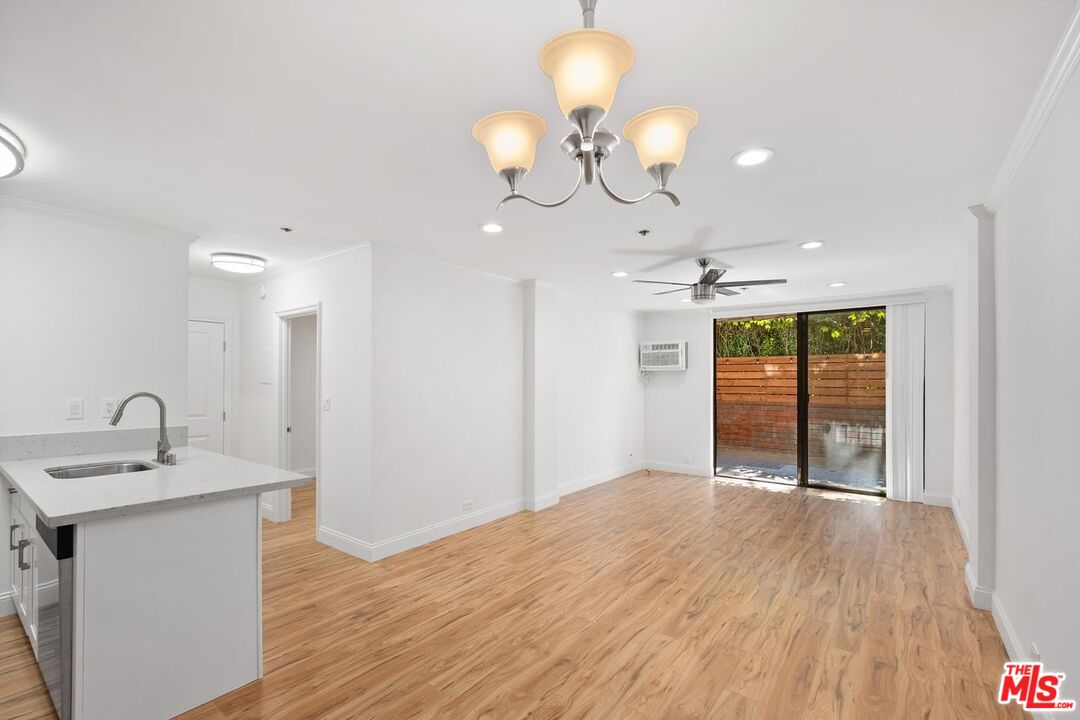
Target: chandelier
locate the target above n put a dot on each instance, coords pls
(585, 66)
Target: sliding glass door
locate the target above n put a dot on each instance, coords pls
(846, 408)
(800, 399)
(755, 404)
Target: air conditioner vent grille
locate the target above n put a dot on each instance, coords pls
(662, 356)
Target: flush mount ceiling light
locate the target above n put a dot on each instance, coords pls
(752, 156)
(838, 283)
(585, 66)
(811, 245)
(619, 273)
(491, 227)
(238, 262)
(12, 153)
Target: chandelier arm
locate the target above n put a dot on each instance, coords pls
(632, 201)
(515, 195)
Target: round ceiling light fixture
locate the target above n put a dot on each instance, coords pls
(811, 244)
(838, 283)
(491, 227)
(238, 263)
(752, 156)
(12, 153)
(619, 274)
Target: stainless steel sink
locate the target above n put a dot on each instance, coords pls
(96, 469)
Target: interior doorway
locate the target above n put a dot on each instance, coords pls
(299, 403)
(800, 399)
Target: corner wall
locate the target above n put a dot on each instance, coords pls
(1037, 256)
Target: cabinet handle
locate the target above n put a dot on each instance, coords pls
(23, 565)
(11, 537)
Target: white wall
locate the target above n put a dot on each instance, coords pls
(92, 310)
(601, 399)
(342, 284)
(1037, 252)
(220, 301)
(678, 405)
(448, 397)
(303, 403)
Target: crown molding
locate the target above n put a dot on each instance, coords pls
(1053, 84)
(363, 248)
(91, 219)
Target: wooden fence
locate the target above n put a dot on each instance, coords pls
(756, 397)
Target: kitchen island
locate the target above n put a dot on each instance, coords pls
(140, 590)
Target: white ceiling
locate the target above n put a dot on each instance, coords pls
(351, 122)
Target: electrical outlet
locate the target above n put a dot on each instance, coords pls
(326, 403)
(686, 459)
(1035, 654)
(74, 409)
(466, 504)
(108, 407)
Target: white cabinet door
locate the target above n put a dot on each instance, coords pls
(206, 385)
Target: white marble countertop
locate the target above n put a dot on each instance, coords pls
(198, 476)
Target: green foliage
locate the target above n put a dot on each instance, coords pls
(845, 333)
(756, 337)
(842, 333)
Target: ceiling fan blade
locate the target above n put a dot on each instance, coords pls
(725, 291)
(710, 276)
(668, 292)
(748, 283)
(661, 282)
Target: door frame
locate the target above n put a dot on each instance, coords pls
(227, 370)
(282, 509)
(802, 395)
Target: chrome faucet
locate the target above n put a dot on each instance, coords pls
(163, 447)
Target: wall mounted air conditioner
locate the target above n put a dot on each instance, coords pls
(662, 356)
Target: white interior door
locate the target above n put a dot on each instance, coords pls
(206, 385)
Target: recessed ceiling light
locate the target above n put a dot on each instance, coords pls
(838, 283)
(12, 153)
(811, 245)
(685, 300)
(618, 273)
(752, 156)
(238, 262)
(491, 227)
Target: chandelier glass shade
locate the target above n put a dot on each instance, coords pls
(659, 135)
(585, 67)
(510, 138)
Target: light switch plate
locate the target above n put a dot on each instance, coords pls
(326, 403)
(108, 407)
(74, 408)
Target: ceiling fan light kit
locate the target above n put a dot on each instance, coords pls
(585, 67)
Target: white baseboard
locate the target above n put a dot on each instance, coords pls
(964, 535)
(588, 481)
(1006, 630)
(679, 468)
(415, 538)
(7, 605)
(544, 501)
(939, 499)
(981, 597)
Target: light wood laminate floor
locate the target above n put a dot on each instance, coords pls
(662, 596)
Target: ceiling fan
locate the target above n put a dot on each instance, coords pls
(707, 286)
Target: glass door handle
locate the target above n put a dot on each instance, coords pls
(11, 537)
